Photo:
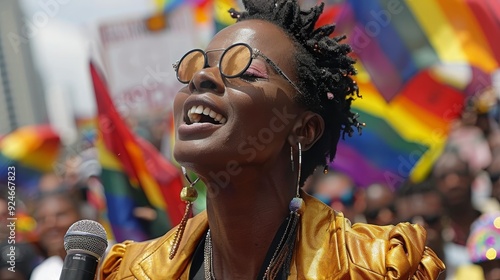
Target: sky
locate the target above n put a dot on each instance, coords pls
(61, 36)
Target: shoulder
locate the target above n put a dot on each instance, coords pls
(395, 252)
(121, 256)
(361, 251)
(132, 260)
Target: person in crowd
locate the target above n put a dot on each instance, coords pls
(338, 191)
(88, 185)
(494, 174)
(454, 180)
(421, 203)
(483, 246)
(49, 182)
(479, 111)
(71, 171)
(17, 260)
(79, 176)
(264, 104)
(380, 208)
(55, 212)
(4, 214)
(471, 145)
(494, 140)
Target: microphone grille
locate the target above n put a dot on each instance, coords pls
(86, 235)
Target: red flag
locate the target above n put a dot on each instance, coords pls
(149, 174)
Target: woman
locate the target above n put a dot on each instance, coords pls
(265, 91)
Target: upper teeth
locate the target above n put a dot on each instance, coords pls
(195, 113)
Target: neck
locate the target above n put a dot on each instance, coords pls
(244, 215)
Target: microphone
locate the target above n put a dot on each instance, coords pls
(85, 243)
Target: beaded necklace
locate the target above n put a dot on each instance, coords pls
(281, 258)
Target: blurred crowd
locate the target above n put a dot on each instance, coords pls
(61, 199)
(458, 203)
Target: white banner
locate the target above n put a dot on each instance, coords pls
(138, 60)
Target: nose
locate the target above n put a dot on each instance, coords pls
(207, 79)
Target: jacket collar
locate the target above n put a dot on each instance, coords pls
(317, 252)
(155, 262)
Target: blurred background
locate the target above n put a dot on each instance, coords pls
(86, 89)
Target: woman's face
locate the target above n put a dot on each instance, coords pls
(257, 109)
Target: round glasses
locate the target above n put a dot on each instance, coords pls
(233, 63)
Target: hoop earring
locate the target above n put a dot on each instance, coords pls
(297, 202)
(188, 195)
(284, 253)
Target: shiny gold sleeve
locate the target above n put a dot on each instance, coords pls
(392, 252)
(430, 266)
(408, 257)
(111, 264)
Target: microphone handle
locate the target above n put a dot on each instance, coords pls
(79, 266)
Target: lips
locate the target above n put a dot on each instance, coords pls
(204, 114)
(202, 117)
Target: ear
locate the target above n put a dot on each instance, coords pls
(307, 129)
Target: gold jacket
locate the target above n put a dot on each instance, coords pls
(327, 247)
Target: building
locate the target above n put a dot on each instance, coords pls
(22, 100)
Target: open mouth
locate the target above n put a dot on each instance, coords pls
(202, 114)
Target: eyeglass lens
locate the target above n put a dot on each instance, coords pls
(233, 62)
(191, 63)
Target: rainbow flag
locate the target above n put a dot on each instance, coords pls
(222, 18)
(330, 13)
(396, 40)
(32, 151)
(402, 138)
(204, 11)
(418, 62)
(134, 174)
(167, 5)
(170, 5)
(86, 128)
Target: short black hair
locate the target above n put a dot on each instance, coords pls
(324, 69)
